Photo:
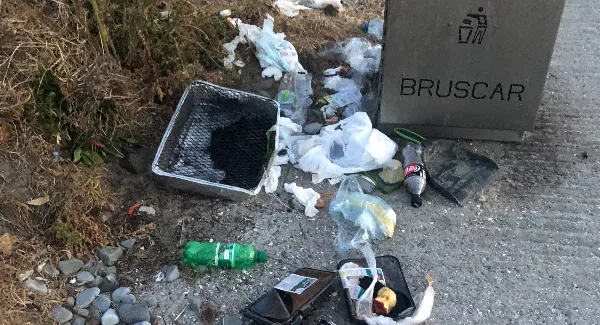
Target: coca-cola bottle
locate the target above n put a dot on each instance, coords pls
(414, 172)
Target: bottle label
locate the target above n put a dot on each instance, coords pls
(225, 255)
(295, 283)
(414, 170)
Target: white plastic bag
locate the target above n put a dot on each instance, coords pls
(362, 55)
(274, 50)
(307, 196)
(272, 180)
(361, 218)
(420, 315)
(350, 146)
(320, 4)
(275, 54)
(289, 8)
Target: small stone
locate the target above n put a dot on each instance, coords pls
(110, 283)
(110, 255)
(70, 267)
(78, 321)
(84, 277)
(143, 323)
(106, 270)
(35, 285)
(97, 282)
(91, 266)
(139, 162)
(147, 210)
(86, 297)
(123, 296)
(295, 204)
(105, 216)
(49, 270)
(102, 303)
(110, 317)
(195, 304)
(313, 128)
(95, 316)
(172, 273)
(60, 314)
(128, 243)
(134, 313)
(70, 301)
(81, 312)
(25, 275)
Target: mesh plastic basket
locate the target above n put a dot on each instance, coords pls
(217, 143)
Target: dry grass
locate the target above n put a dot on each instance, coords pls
(71, 73)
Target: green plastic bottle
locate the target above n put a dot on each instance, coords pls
(235, 256)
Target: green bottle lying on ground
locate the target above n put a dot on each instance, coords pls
(235, 256)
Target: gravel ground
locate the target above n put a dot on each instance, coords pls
(525, 251)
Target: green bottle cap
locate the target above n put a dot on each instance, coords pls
(261, 257)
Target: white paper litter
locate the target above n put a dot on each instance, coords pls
(148, 210)
(307, 196)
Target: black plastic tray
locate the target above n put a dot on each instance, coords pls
(274, 306)
(394, 279)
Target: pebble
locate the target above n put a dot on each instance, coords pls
(110, 317)
(128, 243)
(95, 316)
(70, 267)
(295, 204)
(143, 323)
(102, 303)
(123, 296)
(97, 282)
(84, 277)
(134, 313)
(35, 285)
(60, 314)
(106, 270)
(78, 321)
(105, 216)
(49, 270)
(313, 128)
(81, 312)
(172, 273)
(86, 297)
(91, 266)
(195, 304)
(25, 275)
(110, 255)
(70, 301)
(148, 210)
(110, 283)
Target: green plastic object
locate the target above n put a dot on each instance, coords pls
(222, 255)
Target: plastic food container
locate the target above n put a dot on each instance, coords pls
(289, 307)
(394, 279)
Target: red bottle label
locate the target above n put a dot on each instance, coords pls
(413, 169)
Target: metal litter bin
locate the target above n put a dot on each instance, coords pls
(217, 144)
(466, 68)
